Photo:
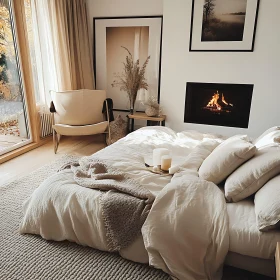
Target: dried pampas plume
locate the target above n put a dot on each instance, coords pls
(132, 78)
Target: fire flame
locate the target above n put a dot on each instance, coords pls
(213, 103)
(224, 101)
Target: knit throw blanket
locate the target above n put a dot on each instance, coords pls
(125, 204)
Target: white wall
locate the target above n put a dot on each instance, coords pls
(261, 68)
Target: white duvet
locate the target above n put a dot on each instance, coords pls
(185, 233)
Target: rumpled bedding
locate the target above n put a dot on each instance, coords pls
(186, 231)
(124, 203)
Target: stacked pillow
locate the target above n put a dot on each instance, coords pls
(269, 137)
(267, 199)
(252, 175)
(267, 206)
(249, 168)
(226, 158)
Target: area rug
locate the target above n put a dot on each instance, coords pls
(29, 257)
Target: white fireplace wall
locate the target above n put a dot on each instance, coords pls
(261, 67)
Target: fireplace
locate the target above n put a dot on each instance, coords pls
(218, 104)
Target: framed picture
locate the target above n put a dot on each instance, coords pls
(223, 25)
(113, 36)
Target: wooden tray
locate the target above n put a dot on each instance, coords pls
(160, 172)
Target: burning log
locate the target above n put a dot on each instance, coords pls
(217, 104)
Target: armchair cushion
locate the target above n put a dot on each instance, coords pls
(70, 130)
(79, 107)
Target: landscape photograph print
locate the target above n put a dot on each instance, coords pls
(223, 20)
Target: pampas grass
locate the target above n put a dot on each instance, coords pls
(132, 78)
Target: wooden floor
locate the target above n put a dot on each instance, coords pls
(26, 163)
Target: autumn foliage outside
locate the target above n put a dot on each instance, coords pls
(10, 96)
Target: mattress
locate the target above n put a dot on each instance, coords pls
(245, 238)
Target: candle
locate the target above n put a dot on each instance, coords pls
(157, 154)
(166, 162)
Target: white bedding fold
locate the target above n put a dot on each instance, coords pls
(186, 231)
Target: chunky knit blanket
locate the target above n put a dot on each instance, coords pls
(125, 204)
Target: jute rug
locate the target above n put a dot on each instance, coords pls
(29, 257)
(32, 258)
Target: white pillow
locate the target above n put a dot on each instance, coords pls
(252, 175)
(226, 158)
(267, 205)
(270, 136)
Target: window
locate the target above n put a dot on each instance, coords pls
(14, 128)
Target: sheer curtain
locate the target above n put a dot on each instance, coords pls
(43, 59)
(62, 48)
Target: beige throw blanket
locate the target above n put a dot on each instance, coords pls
(125, 204)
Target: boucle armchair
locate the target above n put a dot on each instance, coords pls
(78, 112)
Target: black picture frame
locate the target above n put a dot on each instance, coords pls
(95, 19)
(223, 50)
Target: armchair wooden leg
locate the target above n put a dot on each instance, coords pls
(108, 139)
(55, 141)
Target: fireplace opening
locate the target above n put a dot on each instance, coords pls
(218, 104)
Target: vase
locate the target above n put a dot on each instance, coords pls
(132, 98)
(130, 106)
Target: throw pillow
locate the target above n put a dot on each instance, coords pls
(267, 205)
(270, 136)
(226, 158)
(252, 175)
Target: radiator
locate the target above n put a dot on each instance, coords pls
(45, 124)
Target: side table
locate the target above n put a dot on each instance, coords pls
(143, 116)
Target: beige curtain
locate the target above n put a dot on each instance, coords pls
(70, 38)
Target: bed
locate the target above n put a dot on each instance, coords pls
(228, 231)
(249, 248)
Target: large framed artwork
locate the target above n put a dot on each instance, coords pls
(223, 25)
(113, 38)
